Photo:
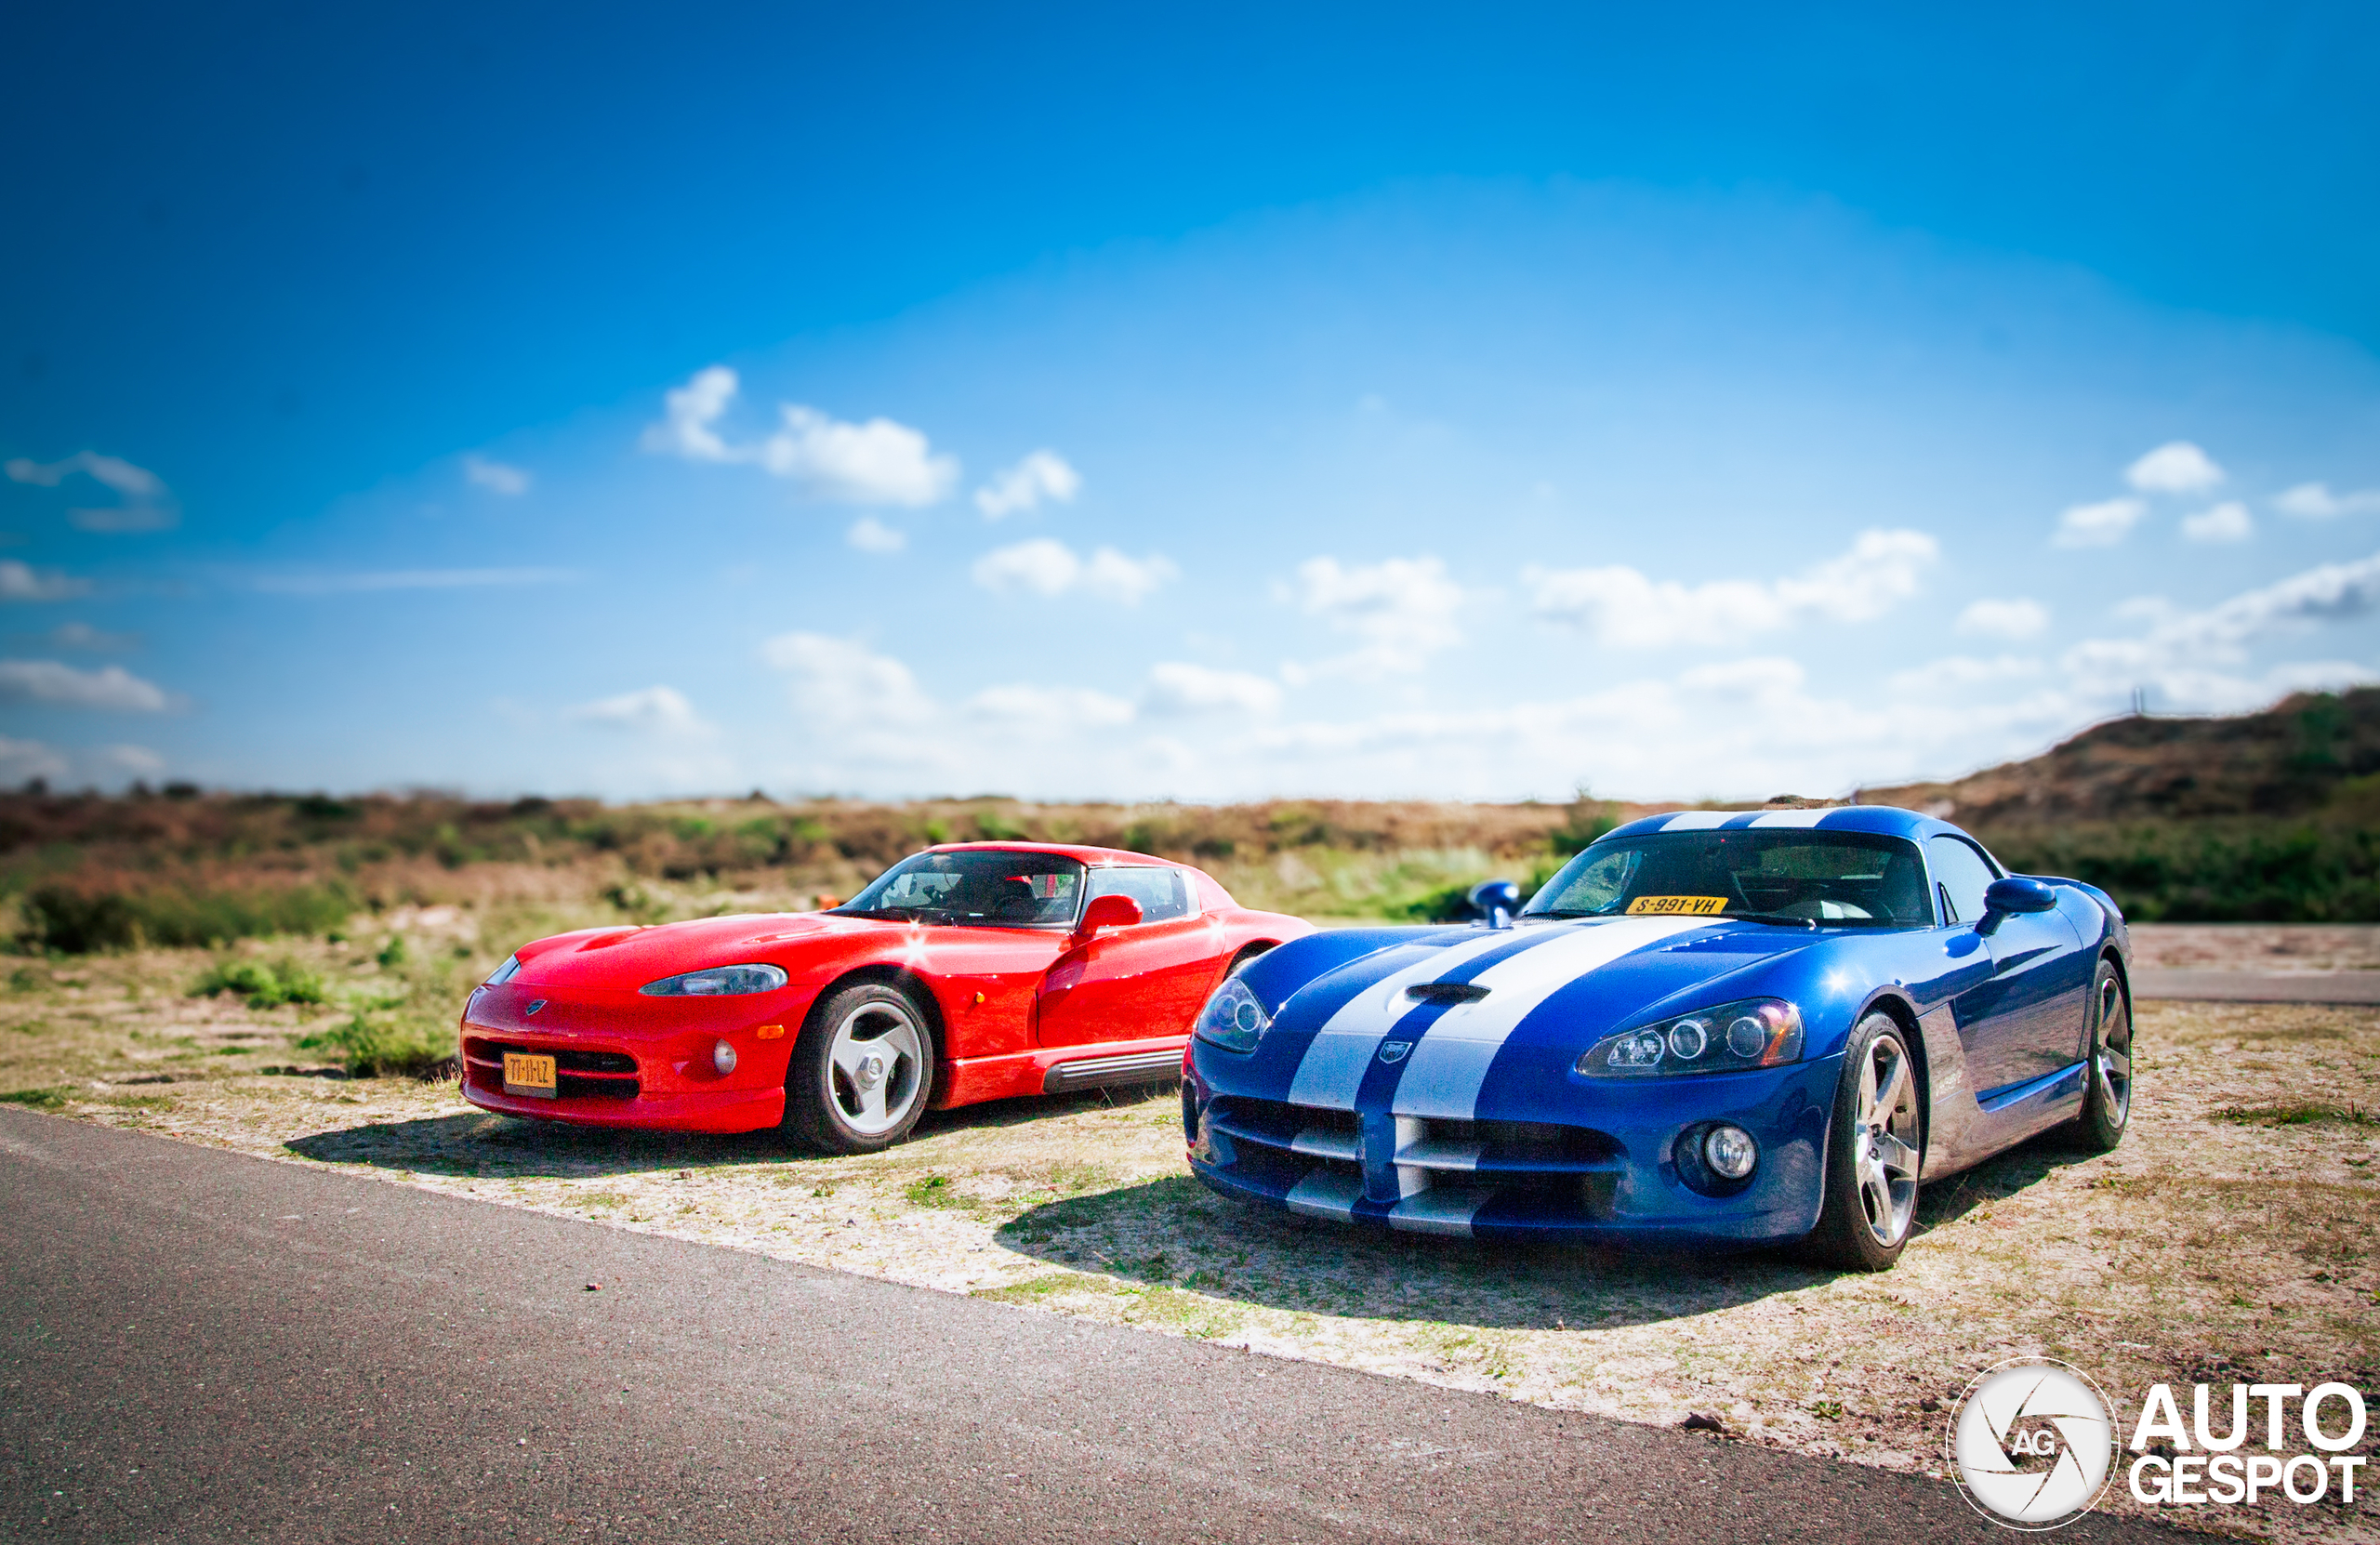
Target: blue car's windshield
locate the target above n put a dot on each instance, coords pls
(1797, 874)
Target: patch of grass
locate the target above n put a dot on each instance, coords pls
(141, 1101)
(1827, 1410)
(38, 1099)
(369, 1049)
(82, 917)
(265, 986)
(601, 1198)
(393, 953)
(933, 1191)
(23, 980)
(2300, 1113)
(1036, 1289)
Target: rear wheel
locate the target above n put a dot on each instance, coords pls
(862, 1072)
(1872, 1151)
(2107, 1097)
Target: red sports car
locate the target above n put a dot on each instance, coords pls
(973, 971)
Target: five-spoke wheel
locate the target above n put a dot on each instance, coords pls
(2107, 1099)
(1874, 1146)
(861, 1073)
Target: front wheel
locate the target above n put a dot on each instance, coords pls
(862, 1072)
(2107, 1098)
(1872, 1152)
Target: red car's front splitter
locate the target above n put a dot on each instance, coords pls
(704, 1111)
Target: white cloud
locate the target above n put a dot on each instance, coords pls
(1050, 568)
(111, 687)
(1402, 609)
(879, 462)
(148, 504)
(496, 476)
(1957, 672)
(836, 683)
(409, 579)
(2004, 619)
(2225, 522)
(2314, 501)
(871, 534)
(81, 635)
(2098, 525)
(1178, 688)
(22, 582)
(1618, 605)
(1042, 474)
(1049, 710)
(2177, 466)
(125, 761)
(662, 712)
(2183, 654)
(21, 760)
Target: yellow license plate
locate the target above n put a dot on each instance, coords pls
(527, 1074)
(1692, 906)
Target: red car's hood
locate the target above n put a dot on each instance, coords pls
(625, 958)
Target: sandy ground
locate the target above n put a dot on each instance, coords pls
(2230, 1238)
(2256, 946)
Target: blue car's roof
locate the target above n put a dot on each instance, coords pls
(1878, 819)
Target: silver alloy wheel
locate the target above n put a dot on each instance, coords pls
(1885, 1144)
(2112, 1065)
(873, 1067)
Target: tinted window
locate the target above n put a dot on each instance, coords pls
(1961, 874)
(984, 888)
(1162, 893)
(1847, 878)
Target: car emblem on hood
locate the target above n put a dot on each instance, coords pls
(1393, 1051)
(534, 1006)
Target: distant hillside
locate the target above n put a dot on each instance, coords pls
(2268, 817)
(2290, 759)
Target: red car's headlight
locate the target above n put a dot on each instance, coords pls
(718, 982)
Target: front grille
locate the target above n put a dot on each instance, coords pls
(578, 1074)
(1541, 1170)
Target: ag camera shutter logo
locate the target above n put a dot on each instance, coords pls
(2033, 1443)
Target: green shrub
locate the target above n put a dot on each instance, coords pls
(264, 987)
(369, 1049)
(38, 1099)
(393, 953)
(78, 920)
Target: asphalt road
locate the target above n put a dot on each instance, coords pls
(197, 1346)
(2230, 986)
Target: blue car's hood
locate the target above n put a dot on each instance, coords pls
(1551, 990)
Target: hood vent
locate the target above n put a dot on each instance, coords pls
(1446, 992)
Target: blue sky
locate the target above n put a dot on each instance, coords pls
(1355, 402)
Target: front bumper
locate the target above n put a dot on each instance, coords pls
(1576, 1158)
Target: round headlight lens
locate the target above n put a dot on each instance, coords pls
(1687, 1038)
(1747, 1036)
(1234, 1019)
(1730, 1152)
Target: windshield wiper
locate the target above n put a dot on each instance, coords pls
(896, 914)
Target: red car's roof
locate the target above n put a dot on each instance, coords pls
(1095, 857)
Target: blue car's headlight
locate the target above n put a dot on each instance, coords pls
(1754, 1032)
(1234, 1019)
(718, 982)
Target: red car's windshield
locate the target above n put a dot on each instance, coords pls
(985, 888)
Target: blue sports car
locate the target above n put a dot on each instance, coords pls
(1711, 1028)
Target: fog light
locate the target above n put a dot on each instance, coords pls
(1730, 1152)
(723, 1057)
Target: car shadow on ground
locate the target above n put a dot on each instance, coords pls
(1173, 1233)
(483, 1144)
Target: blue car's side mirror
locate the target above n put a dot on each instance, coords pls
(2016, 894)
(1495, 900)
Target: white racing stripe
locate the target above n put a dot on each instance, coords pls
(1333, 1065)
(1789, 818)
(1448, 1065)
(1700, 820)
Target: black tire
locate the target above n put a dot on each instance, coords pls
(870, 1097)
(2108, 1059)
(1871, 1165)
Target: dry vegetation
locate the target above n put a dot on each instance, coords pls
(2231, 1236)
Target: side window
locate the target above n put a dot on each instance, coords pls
(1163, 893)
(1961, 874)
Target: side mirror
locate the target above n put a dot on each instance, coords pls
(1107, 912)
(1494, 902)
(2018, 893)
